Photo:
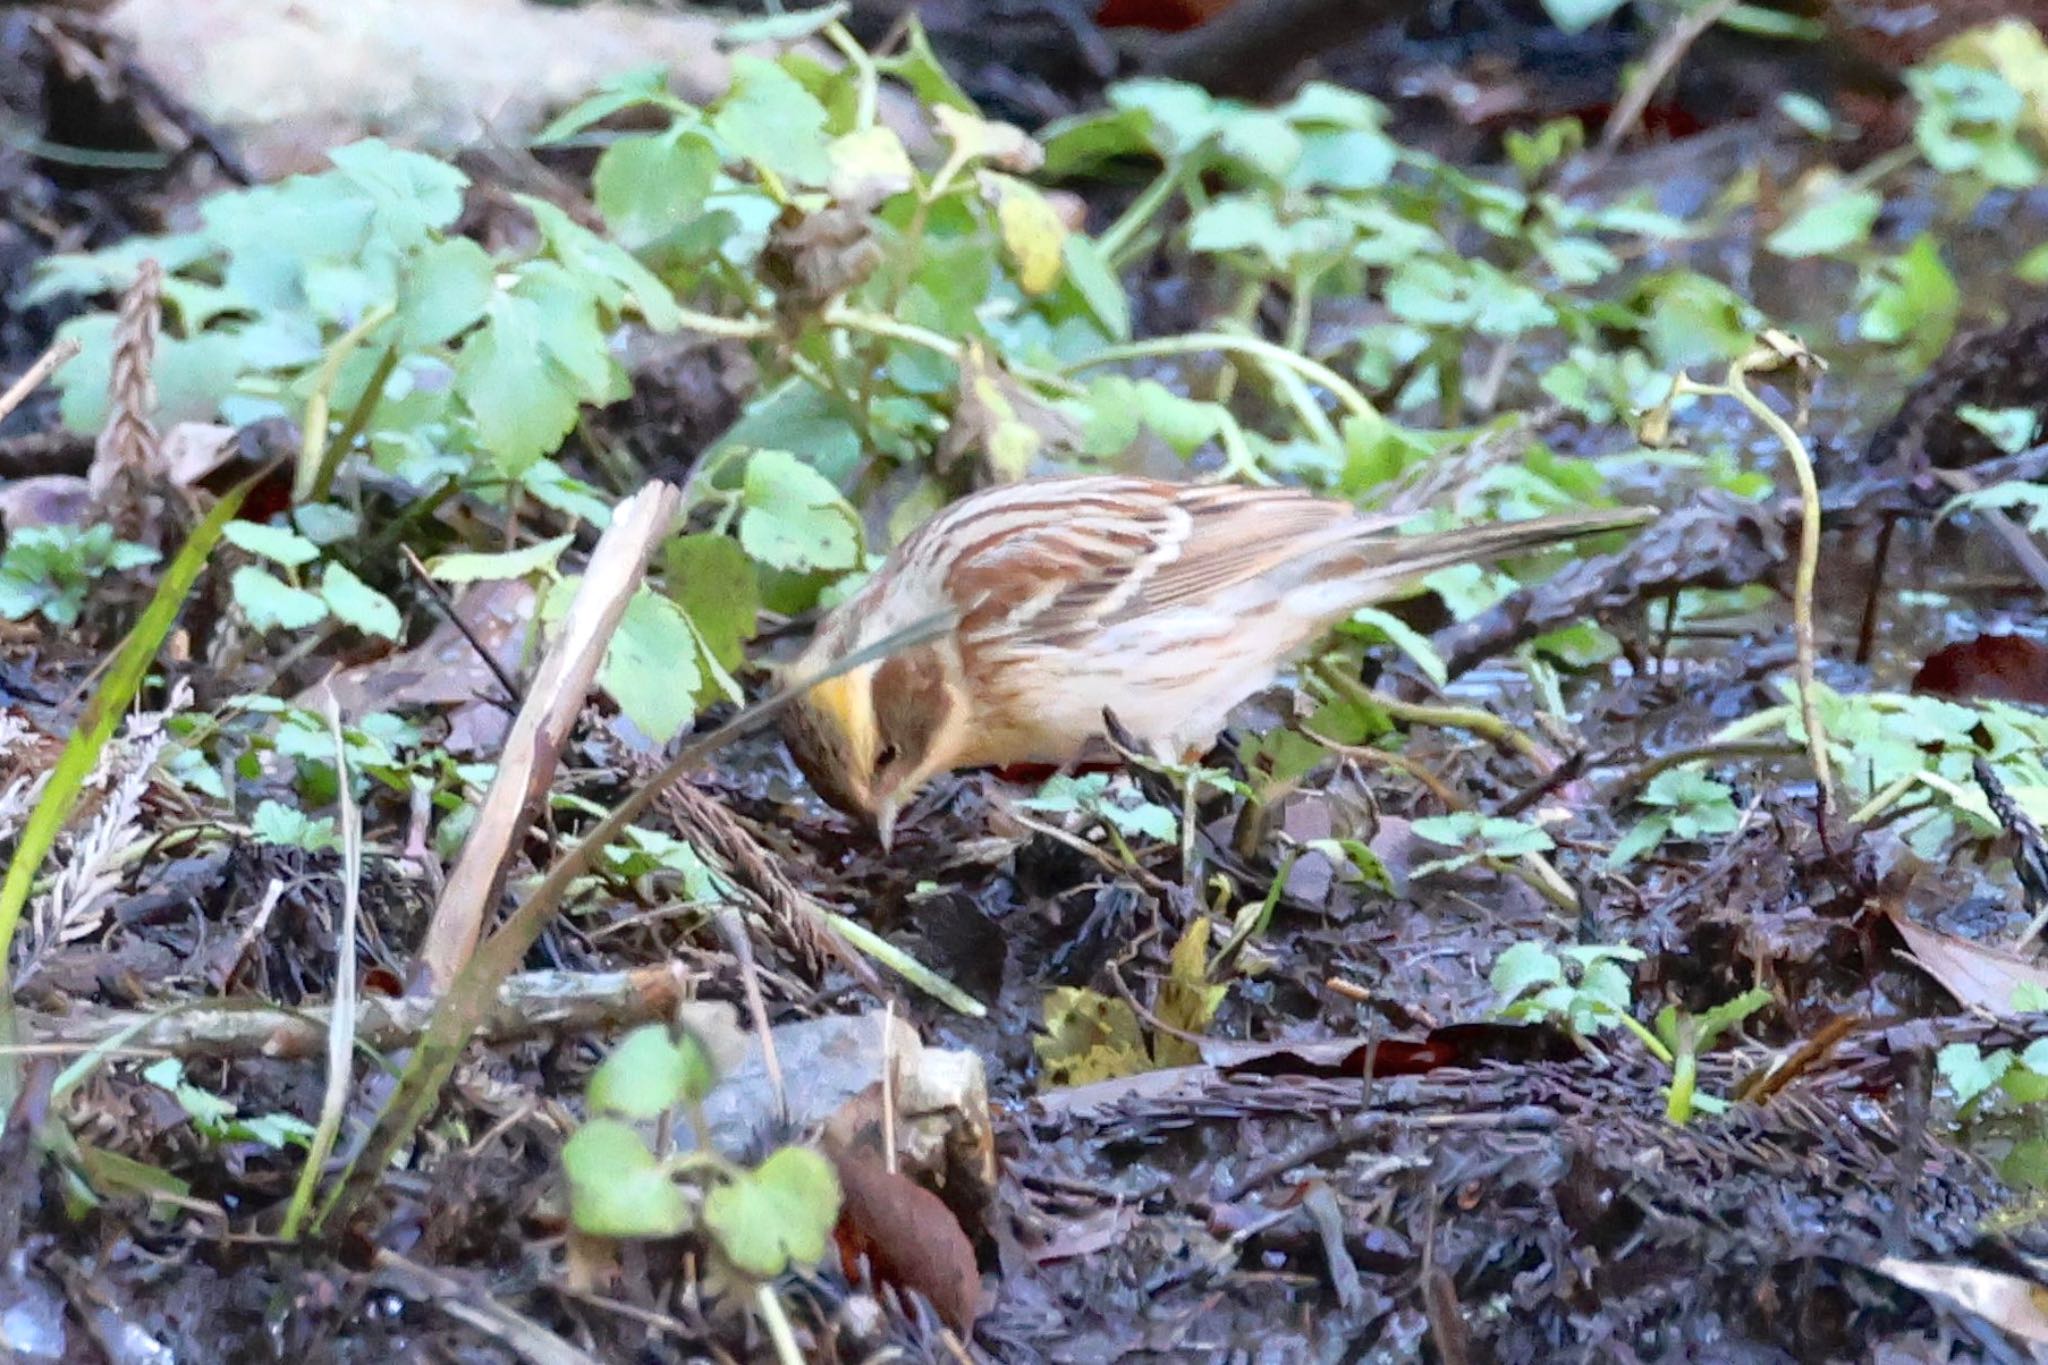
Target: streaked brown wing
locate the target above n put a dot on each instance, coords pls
(1093, 553)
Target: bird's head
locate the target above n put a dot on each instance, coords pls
(870, 738)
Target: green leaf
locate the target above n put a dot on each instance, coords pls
(274, 543)
(2010, 429)
(793, 517)
(648, 1074)
(646, 186)
(1644, 836)
(641, 85)
(711, 579)
(596, 261)
(521, 406)
(651, 667)
(414, 194)
(1728, 1014)
(1089, 271)
(276, 823)
(1574, 16)
(617, 1188)
(1522, 968)
(324, 523)
(1969, 1071)
(795, 416)
(780, 1213)
(272, 604)
(1913, 299)
(772, 121)
(1492, 835)
(1828, 224)
(472, 568)
(446, 287)
(358, 604)
(192, 374)
(782, 28)
(869, 165)
(1408, 640)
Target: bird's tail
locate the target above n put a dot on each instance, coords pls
(1410, 557)
(1364, 565)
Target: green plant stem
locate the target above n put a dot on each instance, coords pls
(1807, 572)
(780, 1332)
(358, 419)
(341, 1023)
(316, 453)
(1258, 348)
(1117, 239)
(1685, 1074)
(1482, 723)
(1538, 873)
(1300, 308)
(1649, 1040)
(867, 78)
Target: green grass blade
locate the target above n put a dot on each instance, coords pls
(95, 727)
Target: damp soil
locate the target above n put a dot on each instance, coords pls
(1364, 1166)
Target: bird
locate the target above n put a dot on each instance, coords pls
(1167, 603)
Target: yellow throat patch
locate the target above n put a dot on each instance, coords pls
(847, 702)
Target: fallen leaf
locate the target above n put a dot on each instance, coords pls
(2007, 1301)
(907, 1235)
(1979, 977)
(1988, 668)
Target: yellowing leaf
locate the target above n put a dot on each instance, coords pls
(868, 166)
(1033, 233)
(1187, 1001)
(1088, 1037)
(980, 139)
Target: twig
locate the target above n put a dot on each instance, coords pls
(734, 931)
(47, 364)
(447, 605)
(467, 1304)
(534, 747)
(531, 1005)
(1661, 62)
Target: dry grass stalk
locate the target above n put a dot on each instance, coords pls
(76, 905)
(794, 918)
(127, 461)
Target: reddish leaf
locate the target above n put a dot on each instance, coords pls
(907, 1235)
(1988, 668)
(1167, 16)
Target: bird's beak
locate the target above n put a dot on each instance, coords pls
(885, 821)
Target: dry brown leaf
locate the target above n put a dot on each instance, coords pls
(2007, 1301)
(1979, 977)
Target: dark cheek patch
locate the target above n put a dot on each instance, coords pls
(911, 705)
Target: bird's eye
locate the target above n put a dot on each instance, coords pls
(885, 755)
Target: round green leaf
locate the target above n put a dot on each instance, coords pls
(357, 603)
(271, 604)
(779, 1213)
(617, 1188)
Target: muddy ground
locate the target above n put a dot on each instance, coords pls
(1360, 1160)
